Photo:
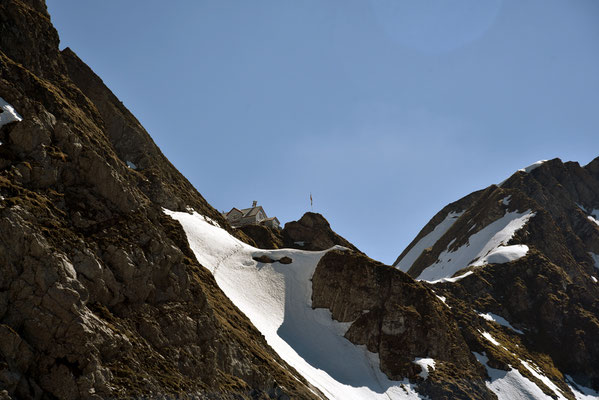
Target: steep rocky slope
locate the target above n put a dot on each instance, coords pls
(100, 295)
(524, 250)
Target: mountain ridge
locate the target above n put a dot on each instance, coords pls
(120, 280)
(562, 241)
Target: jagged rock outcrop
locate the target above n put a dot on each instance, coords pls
(401, 320)
(312, 232)
(100, 295)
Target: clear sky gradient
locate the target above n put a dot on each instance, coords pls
(384, 110)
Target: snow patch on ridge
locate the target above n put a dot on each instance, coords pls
(510, 385)
(503, 254)
(427, 241)
(277, 299)
(8, 113)
(532, 166)
(528, 169)
(452, 280)
(489, 245)
(500, 320)
(581, 392)
(490, 338)
(546, 381)
(425, 365)
(443, 299)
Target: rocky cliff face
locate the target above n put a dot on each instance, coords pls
(401, 320)
(100, 295)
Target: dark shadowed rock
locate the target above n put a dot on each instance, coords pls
(285, 260)
(263, 236)
(263, 259)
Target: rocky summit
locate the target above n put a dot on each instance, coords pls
(119, 280)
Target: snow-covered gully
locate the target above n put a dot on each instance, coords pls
(277, 299)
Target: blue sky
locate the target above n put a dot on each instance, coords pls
(384, 110)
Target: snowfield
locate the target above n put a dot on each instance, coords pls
(277, 299)
(534, 370)
(489, 245)
(490, 338)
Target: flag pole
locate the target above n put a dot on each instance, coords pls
(311, 203)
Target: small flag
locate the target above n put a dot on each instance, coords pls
(311, 203)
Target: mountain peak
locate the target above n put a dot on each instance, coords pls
(540, 221)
